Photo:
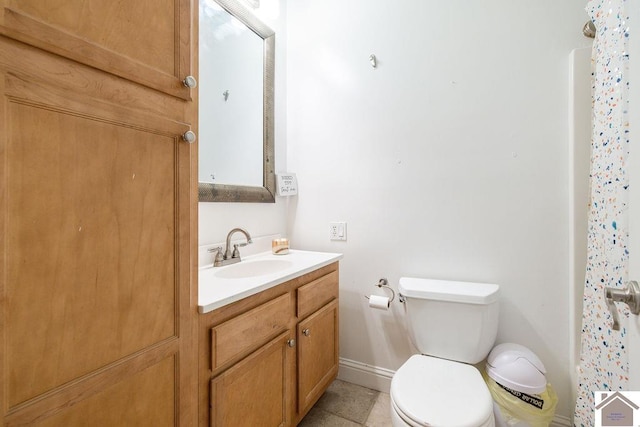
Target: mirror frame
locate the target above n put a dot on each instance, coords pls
(210, 192)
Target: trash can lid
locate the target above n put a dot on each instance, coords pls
(516, 367)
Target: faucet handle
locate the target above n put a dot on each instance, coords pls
(236, 252)
(217, 259)
(630, 295)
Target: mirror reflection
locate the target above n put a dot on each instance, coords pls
(230, 99)
(235, 104)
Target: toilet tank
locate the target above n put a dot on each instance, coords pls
(451, 320)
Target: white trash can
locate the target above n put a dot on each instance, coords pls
(517, 382)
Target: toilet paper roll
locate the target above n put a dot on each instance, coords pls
(381, 303)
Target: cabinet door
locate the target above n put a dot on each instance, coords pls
(258, 390)
(95, 285)
(146, 41)
(317, 355)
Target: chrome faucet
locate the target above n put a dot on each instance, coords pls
(230, 257)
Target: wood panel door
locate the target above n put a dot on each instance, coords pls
(318, 355)
(96, 204)
(144, 41)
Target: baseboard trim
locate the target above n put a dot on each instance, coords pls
(560, 421)
(369, 376)
(377, 378)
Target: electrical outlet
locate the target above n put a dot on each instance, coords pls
(337, 231)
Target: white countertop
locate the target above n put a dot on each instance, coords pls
(215, 291)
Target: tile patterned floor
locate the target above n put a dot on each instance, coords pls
(349, 405)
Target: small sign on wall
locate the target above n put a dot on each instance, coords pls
(287, 184)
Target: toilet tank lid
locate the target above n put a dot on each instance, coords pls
(447, 290)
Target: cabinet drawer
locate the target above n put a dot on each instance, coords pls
(316, 294)
(240, 335)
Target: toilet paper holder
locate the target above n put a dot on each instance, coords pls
(384, 284)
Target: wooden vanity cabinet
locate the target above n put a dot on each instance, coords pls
(266, 359)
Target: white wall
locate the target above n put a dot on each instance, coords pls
(579, 164)
(260, 219)
(447, 161)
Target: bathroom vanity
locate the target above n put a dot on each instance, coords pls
(268, 340)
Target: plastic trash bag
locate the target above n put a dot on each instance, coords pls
(517, 409)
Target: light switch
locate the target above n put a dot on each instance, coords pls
(337, 231)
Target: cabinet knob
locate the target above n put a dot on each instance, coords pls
(189, 136)
(291, 342)
(306, 332)
(190, 82)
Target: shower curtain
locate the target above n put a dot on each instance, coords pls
(603, 359)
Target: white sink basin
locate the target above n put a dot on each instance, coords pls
(219, 286)
(245, 269)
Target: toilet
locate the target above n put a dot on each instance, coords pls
(454, 326)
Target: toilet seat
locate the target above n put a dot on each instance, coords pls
(428, 391)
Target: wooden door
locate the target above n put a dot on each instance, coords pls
(256, 391)
(317, 355)
(145, 41)
(96, 201)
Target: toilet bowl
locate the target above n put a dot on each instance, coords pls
(453, 325)
(428, 391)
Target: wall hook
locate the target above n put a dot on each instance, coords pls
(225, 94)
(373, 60)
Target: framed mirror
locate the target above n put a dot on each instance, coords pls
(235, 104)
